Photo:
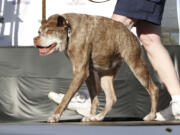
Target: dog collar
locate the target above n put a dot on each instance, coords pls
(68, 29)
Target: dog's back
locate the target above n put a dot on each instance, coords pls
(108, 39)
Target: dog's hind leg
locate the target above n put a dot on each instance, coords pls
(139, 68)
(93, 85)
(107, 86)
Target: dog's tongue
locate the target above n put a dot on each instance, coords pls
(43, 50)
(46, 50)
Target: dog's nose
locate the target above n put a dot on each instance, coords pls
(36, 41)
(36, 38)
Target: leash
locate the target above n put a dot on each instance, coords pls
(43, 11)
(44, 8)
(98, 1)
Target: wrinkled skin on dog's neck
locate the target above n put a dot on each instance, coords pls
(52, 36)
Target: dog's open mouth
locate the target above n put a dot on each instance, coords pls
(46, 50)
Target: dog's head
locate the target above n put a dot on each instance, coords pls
(53, 35)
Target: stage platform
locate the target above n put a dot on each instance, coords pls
(92, 128)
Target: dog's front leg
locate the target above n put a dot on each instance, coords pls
(76, 83)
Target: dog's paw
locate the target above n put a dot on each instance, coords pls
(54, 118)
(93, 118)
(98, 117)
(149, 117)
(86, 119)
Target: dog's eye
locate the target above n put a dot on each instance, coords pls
(39, 32)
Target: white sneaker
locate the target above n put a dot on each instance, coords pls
(57, 98)
(80, 103)
(170, 113)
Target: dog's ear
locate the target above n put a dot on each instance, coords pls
(61, 21)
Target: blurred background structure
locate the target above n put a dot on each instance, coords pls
(20, 19)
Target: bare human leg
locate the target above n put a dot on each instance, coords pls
(149, 35)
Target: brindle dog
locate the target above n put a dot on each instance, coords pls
(98, 45)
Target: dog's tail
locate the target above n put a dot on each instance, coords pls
(43, 11)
